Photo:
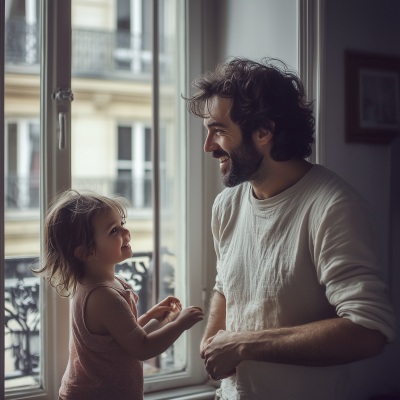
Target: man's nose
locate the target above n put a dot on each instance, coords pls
(210, 144)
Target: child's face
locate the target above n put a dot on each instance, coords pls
(111, 238)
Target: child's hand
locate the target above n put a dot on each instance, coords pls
(190, 316)
(173, 315)
(163, 310)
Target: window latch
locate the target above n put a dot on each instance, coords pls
(63, 96)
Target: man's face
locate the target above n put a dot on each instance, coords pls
(239, 158)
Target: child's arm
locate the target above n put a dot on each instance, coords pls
(157, 342)
(112, 312)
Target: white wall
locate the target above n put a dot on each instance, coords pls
(372, 26)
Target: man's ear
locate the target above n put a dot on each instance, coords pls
(84, 254)
(262, 136)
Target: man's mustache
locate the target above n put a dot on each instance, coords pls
(219, 153)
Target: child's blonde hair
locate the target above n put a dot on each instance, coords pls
(67, 226)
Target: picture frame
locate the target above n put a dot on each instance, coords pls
(372, 98)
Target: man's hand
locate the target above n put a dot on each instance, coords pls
(222, 354)
(203, 346)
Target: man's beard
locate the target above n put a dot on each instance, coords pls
(245, 162)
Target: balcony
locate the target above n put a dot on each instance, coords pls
(22, 315)
(95, 53)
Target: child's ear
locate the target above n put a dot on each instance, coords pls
(84, 254)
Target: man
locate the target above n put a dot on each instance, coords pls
(298, 293)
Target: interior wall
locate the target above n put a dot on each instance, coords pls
(257, 28)
(253, 29)
(371, 26)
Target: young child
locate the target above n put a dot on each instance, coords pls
(84, 237)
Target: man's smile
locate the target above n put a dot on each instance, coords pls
(223, 159)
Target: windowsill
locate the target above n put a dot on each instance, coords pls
(198, 392)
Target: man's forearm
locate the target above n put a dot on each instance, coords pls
(322, 343)
(216, 318)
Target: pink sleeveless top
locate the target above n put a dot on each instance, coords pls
(98, 367)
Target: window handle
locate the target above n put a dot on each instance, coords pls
(62, 118)
(63, 98)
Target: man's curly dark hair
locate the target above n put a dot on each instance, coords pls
(263, 96)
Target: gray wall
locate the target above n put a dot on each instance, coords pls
(256, 28)
(371, 26)
(252, 29)
(271, 25)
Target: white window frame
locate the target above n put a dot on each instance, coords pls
(311, 37)
(56, 176)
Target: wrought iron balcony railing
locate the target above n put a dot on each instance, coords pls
(22, 311)
(95, 53)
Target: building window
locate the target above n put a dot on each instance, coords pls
(22, 165)
(124, 143)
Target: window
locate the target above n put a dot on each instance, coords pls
(22, 143)
(109, 150)
(22, 356)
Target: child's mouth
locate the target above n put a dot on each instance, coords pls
(126, 246)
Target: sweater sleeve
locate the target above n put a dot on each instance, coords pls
(348, 263)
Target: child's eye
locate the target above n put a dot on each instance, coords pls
(113, 230)
(122, 223)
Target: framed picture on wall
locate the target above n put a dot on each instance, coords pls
(372, 97)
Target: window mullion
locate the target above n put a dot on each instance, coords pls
(155, 153)
(55, 176)
(2, 141)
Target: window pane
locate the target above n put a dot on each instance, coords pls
(172, 168)
(124, 143)
(111, 115)
(111, 137)
(22, 235)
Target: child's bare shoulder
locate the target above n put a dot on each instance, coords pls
(105, 308)
(106, 299)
